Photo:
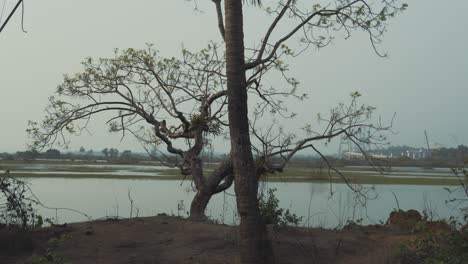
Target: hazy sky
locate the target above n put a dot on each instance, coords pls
(424, 79)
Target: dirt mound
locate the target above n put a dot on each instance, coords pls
(404, 220)
(412, 221)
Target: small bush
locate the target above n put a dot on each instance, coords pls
(50, 256)
(429, 247)
(16, 205)
(272, 214)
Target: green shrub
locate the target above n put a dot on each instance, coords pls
(272, 214)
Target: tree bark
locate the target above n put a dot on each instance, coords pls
(254, 244)
(218, 181)
(199, 204)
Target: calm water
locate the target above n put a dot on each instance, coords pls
(157, 170)
(314, 201)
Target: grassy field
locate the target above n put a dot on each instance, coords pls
(84, 169)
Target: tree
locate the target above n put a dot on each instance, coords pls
(342, 14)
(52, 154)
(113, 153)
(28, 154)
(172, 106)
(140, 104)
(126, 155)
(105, 151)
(182, 102)
(2, 26)
(254, 244)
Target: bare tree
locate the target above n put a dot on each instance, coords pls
(244, 70)
(151, 98)
(10, 15)
(274, 147)
(105, 151)
(183, 102)
(172, 106)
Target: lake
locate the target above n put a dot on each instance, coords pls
(315, 202)
(105, 190)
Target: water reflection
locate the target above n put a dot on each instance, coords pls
(318, 203)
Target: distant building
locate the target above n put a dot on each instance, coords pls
(416, 153)
(395, 152)
(358, 155)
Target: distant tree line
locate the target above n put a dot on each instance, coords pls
(442, 157)
(110, 154)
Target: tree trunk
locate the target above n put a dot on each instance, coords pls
(254, 244)
(218, 181)
(199, 204)
(203, 195)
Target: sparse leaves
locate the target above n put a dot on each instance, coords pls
(135, 88)
(16, 205)
(317, 25)
(273, 214)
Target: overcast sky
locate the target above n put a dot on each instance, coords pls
(424, 79)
